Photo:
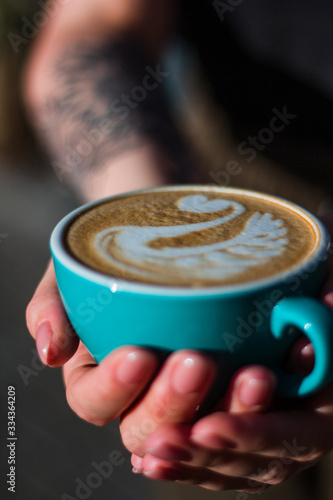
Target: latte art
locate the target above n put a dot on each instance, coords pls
(188, 238)
(127, 248)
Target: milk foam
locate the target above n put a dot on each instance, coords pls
(130, 249)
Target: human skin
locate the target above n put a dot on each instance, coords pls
(82, 46)
(246, 449)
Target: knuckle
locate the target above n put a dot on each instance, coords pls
(275, 473)
(310, 456)
(278, 478)
(246, 432)
(216, 460)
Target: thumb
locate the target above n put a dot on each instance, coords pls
(48, 323)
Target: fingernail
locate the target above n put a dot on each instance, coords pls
(137, 464)
(190, 375)
(137, 471)
(44, 336)
(211, 441)
(305, 359)
(133, 367)
(170, 453)
(164, 474)
(255, 392)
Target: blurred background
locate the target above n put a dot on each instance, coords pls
(56, 450)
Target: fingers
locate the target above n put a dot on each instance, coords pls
(181, 386)
(299, 435)
(48, 323)
(301, 356)
(250, 390)
(173, 397)
(97, 394)
(137, 463)
(159, 469)
(172, 444)
(241, 452)
(100, 393)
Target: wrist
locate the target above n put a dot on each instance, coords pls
(141, 168)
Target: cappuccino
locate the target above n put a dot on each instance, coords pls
(192, 236)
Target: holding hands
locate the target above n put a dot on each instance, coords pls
(247, 443)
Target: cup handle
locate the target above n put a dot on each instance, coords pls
(315, 320)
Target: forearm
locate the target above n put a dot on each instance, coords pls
(96, 101)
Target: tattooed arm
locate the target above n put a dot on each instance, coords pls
(94, 88)
(97, 101)
(96, 93)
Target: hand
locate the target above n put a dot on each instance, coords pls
(101, 393)
(248, 451)
(127, 158)
(239, 446)
(179, 389)
(97, 393)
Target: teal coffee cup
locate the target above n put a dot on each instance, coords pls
(230, 272)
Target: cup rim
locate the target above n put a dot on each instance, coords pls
(318, 253)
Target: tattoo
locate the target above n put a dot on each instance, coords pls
(105, 101)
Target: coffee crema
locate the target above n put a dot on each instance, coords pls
(191, 237)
